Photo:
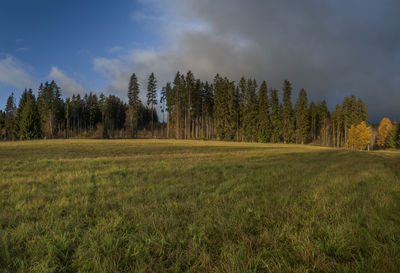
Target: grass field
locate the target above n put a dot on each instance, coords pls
(196, 206)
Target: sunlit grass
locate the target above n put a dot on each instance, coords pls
(164, 205)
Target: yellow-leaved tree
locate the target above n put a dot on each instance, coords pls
(383, 131)
(359, 136)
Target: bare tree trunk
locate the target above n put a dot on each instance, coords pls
(167, 124)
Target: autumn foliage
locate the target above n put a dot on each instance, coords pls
(359, 137)
(383, 131)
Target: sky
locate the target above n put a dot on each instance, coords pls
(331, 48)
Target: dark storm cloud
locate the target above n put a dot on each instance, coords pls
(331, 48)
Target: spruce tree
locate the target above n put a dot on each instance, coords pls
(233, 107)
(177, 94)
(337, 126)
(361, 112)
(187, 101)
(276, 120)
(208, 100)
(67, 117)
(346, 112)
(398, 137)
(9, 120)
(28, 117)
(18, 116)
(301, 115)
(152, 97)
(134, 101)
(242, 88)
(313, 120)
(287, 113)
(51, 108)
(225, 108)
(58, 109)
(353, 110)
(237, 110)
(169, 105)
(196, 100)
(264, 119)
(2, 129)
(391, 138)
(220, 107)
(94, 112)
(134, 90)
(323, 122)
(250, 111)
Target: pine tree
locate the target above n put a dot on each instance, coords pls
(287, 113)
(152, 97)
(301, 117)
(264, 119)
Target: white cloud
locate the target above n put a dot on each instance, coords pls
(68, 85)
(14, 73)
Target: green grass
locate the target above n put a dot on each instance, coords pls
(196, 206)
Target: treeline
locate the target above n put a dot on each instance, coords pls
(223, 109)
(50, 116)
(246, 111)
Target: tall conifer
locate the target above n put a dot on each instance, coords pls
(287, 113)
(264, 119)
(301, 117)
(152, 97)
